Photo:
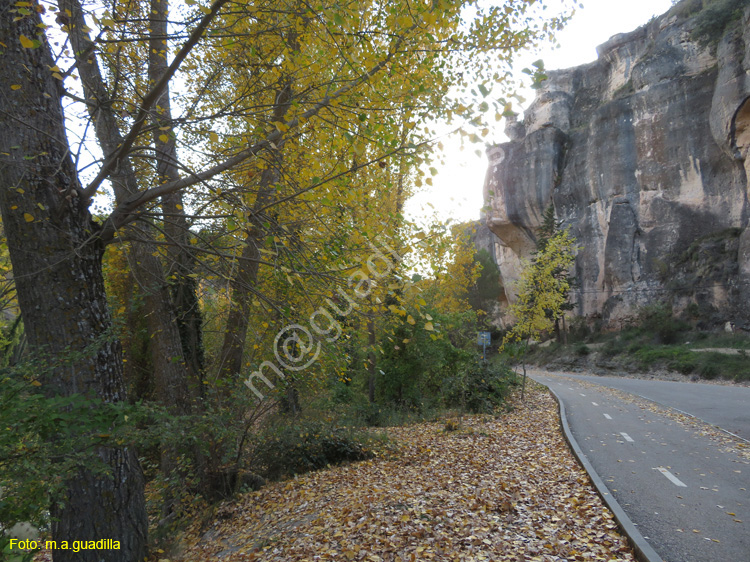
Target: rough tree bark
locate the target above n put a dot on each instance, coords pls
(170, 370)
(56, 259)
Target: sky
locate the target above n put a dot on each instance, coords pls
(457, 189)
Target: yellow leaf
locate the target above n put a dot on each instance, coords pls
(163, 138)
(410, 320)
(213, 136)
(28, 217)
(429, 327)
(36, 383)
(15, 86)
(26, 43)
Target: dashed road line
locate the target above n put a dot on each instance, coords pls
(672, 478)
(582, 394)
(608, 416)
(627, 437)
(595, 404)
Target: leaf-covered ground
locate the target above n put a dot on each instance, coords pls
(497, 489)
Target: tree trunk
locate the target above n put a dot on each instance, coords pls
(170, 370)
(57, 267)
(241, 285)
(523, 364)
(184, 288)
(372, 340)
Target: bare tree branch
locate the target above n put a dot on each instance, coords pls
(148, 101)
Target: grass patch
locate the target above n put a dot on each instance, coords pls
(702, 340)
(707, 365)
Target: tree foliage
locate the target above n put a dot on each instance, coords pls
(542, 290)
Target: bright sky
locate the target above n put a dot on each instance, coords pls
(457, 189)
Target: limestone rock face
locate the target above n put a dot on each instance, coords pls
(645, 154)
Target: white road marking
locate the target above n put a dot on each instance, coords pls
(582, 394)
(608, 416)
(627, 437)
(672, 478)
(595, 404)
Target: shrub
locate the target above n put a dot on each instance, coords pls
(452, 424)
(482, 388)
(709, 371)
(579, 330)
(658, 320)
(301, 447)
(45, 440)
(713, 21)
(613, 347)
(415, 362)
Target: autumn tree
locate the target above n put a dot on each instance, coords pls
(542, 292)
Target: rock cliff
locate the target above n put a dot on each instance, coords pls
(645, 155)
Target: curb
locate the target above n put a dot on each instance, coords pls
(643, 551)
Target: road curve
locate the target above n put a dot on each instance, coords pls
(686, 491)
(724, 406)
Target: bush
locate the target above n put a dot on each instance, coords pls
(305, 446)
(415, 362)
(713, 21)
(47, 439)
(658, 320)
(579, 331)
(481, 389)
(709, 371)
(613, 347)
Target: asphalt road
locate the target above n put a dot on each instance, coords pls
(688, 493)
(727, 407)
